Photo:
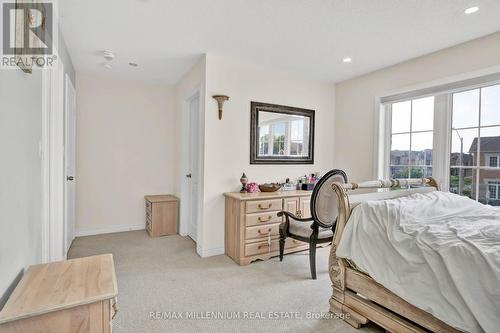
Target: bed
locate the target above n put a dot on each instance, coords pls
(415, 259)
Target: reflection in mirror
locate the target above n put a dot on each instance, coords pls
(281, 134)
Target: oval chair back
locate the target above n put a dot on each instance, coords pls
(323, 207)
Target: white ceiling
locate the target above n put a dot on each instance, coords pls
(310, 37)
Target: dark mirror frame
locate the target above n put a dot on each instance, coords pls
(255, 107)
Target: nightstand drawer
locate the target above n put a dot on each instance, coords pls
(264, 205)
(263, 218)
(262, 231)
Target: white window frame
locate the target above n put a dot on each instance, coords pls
(442, 93)
(441, 139)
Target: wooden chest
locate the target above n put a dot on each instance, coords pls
(161, 215)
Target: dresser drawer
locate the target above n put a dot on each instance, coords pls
(264, 205)
(261, 247)
(262, 218)
(262, 231)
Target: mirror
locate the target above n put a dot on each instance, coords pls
(281, 134)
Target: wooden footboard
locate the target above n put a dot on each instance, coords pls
(359, 297)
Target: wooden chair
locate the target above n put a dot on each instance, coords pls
(324, 217)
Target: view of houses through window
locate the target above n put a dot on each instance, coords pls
(475, 148)
(412, 138)
(474, 158)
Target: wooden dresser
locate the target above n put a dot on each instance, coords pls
(252, 224)
(77, 295)
(161, 215)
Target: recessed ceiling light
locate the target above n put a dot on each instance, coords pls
(108, 55)
(471, 10)
(108, 66)
(347, 60)
(133, 64)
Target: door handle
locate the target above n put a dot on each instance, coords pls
(188, 175)
(70, 178)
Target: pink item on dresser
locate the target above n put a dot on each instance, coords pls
(253, 188)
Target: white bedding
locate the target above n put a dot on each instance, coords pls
(438, 251)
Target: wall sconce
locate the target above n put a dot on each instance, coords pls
(220, 102)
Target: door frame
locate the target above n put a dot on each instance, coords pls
(185, 188)
(67, 86)
(52, 152)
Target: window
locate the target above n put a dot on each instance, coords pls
(296, 137)
(493, 191)
(492, 160)
(264, 140)
(452, 134)
(411, 138)
(475, 141)
(279, 138)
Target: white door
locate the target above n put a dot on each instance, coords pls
(69, 162)
(193, 172)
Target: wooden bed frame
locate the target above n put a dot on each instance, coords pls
(357, 296)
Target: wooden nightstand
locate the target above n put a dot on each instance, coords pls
(161, 215)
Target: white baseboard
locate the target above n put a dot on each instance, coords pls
(110, 229)
(209, 252)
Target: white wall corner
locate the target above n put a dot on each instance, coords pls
(204, 253)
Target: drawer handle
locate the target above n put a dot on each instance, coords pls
(263, 245)
(115, 309)
(267, 219)
(268, 206)
(264, 234)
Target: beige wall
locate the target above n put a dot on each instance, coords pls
(20, 179)
(125, 150)
(355, 98)
(227, 141)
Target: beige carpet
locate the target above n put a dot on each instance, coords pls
(166, 275)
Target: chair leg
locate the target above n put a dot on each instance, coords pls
(312, 256)
(282, 247)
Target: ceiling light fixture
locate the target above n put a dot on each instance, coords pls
(133, 64)
(471, 10)
(108, 55)
(347, 60)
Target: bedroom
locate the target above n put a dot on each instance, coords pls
(129, 112)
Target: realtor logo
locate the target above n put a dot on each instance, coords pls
(28, 35)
